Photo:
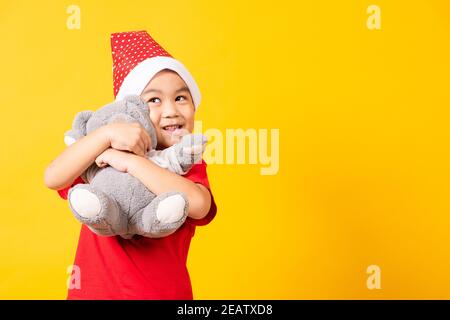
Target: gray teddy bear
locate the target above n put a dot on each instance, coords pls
(115, 202)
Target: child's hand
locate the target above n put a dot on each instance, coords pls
(128, 137)
(117, 159)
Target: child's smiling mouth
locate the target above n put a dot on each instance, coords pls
(172, 128)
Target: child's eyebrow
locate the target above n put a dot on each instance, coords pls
(182, 89)
(176, 91)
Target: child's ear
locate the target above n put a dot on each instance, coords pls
(78, 127)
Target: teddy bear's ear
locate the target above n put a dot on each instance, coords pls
(139, 111)
(134, 99)
(135, 103)
(78, 127)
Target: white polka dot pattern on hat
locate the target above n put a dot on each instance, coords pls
(128, 50)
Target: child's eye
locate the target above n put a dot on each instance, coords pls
(184, 97)
(153, 100)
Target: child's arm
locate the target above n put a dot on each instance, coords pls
(159, 180)
(75, 159)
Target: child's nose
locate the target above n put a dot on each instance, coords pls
(169, 110)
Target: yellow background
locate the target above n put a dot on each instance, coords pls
(363, 119)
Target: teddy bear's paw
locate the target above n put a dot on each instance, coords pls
(193, 144)
(68, 140)
(85, 203)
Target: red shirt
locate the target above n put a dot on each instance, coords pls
(139, 268)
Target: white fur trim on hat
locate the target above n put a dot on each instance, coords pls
(138, 78)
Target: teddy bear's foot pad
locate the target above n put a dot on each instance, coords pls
(171, 209)
(164, 215)
(97, 210)
(85, 203)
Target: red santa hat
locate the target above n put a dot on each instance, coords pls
(136, 60)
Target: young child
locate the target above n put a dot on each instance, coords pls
(139, 268)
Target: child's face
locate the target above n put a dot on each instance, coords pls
(171, 107)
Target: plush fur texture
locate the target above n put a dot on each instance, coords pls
(116, 203)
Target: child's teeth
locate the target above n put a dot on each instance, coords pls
(171, 128)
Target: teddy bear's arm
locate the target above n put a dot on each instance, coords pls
(180, 157)
(167, 159)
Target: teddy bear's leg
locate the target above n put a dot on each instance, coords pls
(163, 216)
(97, 210)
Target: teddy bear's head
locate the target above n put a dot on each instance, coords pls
(131, 109)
